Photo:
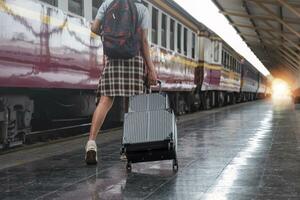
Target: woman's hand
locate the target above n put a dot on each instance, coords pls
(152, 76)
(95, 26)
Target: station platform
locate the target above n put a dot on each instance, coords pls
(245, 151)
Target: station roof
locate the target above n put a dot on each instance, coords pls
(271, 28)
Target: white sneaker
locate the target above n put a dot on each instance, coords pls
(91, 153)
(123, 157)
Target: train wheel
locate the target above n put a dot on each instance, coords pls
(213, 99)
(233, 98)
(196, 104)
(221, 99)
(207, 101)
(180, 105)
(183, 107)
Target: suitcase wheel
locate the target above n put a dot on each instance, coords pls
(128, 167)
(175, 165)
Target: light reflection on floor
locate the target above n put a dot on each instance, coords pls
(231, 172)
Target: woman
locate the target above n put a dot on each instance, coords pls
(120, 77)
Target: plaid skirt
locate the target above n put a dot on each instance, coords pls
(122, 78)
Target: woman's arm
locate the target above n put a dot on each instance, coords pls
(95, 26)
(152, 76)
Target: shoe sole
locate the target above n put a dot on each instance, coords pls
(91, 158)
(123, 158)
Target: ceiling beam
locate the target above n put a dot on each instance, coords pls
(259, 17)
(254, 24)
(272, 42)
(295, 4)
(261, 29)
(287, 39)
(275, 42)
(255, 36)
(286, 61)
(272, 14)
(290, 57)
(289, 7)
(270, 31)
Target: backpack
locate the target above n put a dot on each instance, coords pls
(121, 38)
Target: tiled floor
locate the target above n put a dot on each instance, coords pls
(248, 151)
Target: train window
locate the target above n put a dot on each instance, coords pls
(154, 25)
(223, 58)
(96, 6)
(193, 45)
(76, 6)
(234, 62)
(216, 51)
(178, 38)
(51, 2)
(172, 34)
(227, 59)
(163, 30)
(235, 65)
(185, 41)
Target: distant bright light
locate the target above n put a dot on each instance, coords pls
(280, 90)
(281, 95)
(207, 13)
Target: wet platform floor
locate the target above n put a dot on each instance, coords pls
(247, 151)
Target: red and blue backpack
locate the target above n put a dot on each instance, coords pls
(121, 38)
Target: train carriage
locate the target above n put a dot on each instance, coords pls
(250, 83)
(50, 64)
(221, 70)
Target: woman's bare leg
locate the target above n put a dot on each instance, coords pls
(99, 116)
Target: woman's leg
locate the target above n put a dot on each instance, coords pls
(99, 116)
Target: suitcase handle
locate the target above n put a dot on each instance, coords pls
(159, 84)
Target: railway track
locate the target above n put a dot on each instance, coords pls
(52, 134)
(43, 138)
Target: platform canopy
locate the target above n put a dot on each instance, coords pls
(271, 28)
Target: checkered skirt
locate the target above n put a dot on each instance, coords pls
(122, 78)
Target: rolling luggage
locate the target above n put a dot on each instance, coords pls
(150, 131)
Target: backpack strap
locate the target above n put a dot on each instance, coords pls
(133, 6)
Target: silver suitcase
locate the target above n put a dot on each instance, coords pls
(148, 102)
(149, 126)
(150, 130)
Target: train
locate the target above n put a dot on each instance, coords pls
(50, 64)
